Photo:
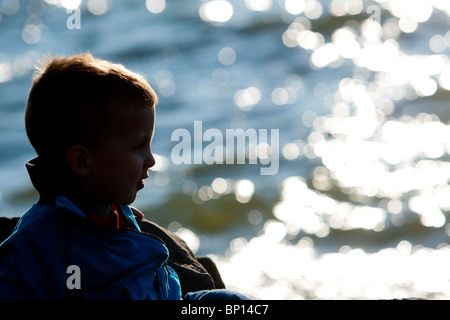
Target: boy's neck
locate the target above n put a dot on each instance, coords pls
(92, 207)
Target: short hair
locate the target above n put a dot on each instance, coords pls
(72, 98)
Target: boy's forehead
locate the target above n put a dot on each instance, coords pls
(134, 115)
(129, 120)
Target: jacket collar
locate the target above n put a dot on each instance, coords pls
(41, 179)
(46, 180)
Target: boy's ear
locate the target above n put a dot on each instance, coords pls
(78, 160)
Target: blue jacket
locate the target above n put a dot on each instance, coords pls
(36, 261)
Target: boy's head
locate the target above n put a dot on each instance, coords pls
(91, 121)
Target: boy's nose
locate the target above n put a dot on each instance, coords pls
(150, 161)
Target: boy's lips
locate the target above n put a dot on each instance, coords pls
(141, 183)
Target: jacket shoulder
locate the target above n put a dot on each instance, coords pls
(30, 266)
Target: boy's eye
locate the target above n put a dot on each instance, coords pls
(143, 144)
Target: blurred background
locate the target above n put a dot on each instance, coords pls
(358, 89)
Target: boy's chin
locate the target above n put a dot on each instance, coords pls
(126, 200)
(130, 199)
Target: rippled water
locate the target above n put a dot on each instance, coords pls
(358, 91)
